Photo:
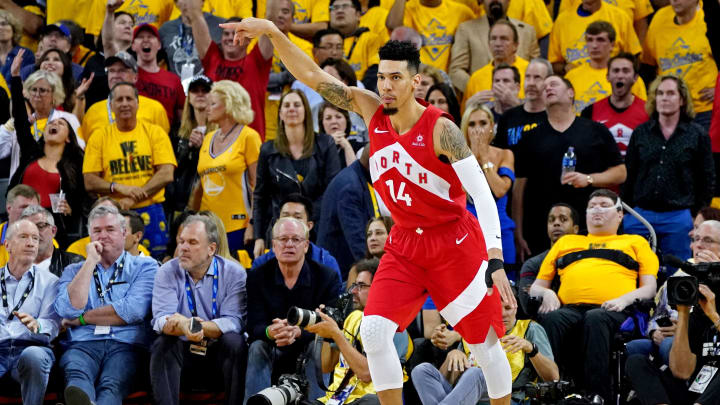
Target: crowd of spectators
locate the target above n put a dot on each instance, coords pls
(170, 193)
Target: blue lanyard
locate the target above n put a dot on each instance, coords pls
(191, 294)
(4, 230)
(35, 127)
(186, 44)
(110, 117)
(98, 285)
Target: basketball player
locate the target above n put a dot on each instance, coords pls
(419, 163)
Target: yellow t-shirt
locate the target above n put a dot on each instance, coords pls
(4, 86)
(532, 12)
(374, 19)
(635, 9)
(155, 12)
(93, 15)
(26, 40)
(223, 9)
(98, 115)
(682, 50)
(224, 178)
(78, 247)
(307, 11)
(364, 52)
(130, 157)
(351, 330)
(482, 79)
(567, 39)
(594, 281)
(437, 25)
(592, 85)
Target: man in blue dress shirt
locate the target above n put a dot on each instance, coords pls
(105, 301)
(27, 320)
(210, 290)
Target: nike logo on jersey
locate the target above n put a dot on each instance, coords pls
(459, 241)
(378, 131)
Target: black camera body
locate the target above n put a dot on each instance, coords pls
(290, 389)
(550, 392)
(683, 290)
(306, 317)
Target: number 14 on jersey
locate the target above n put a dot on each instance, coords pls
(401, 195)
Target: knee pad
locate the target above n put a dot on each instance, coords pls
(377, 334)
(494, 363)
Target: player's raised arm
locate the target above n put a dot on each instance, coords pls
(361, 101)
(449, 142)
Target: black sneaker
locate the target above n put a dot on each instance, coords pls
(76, 396)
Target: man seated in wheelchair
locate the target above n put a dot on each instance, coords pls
(601, 274)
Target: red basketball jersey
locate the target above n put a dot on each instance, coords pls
(418, 189)
(620, 124)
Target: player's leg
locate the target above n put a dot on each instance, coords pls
(495, 366)
(396, 295)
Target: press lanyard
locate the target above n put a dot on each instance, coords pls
(4, 230)
(191, 294)
(35, 127)
(118, 270)
(110, 117)
(24, 296)
(374, 200)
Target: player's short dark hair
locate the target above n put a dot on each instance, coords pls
(502, 66)
(324, 32)
(600, 26)
(370, 265)
(134, 220)
(603, 192)
(627, 56)
(573, 212)
(401, 51)
(299, 199)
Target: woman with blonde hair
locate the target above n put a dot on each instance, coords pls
(296, 161)
(227, 162)
(11, 32)
(498, 165)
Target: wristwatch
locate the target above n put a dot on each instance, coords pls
(590, 180)
(534, 351)
(487, 166)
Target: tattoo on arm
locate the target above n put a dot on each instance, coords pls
(336, 94)
(452, 142)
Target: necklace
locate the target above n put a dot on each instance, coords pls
(223, 137)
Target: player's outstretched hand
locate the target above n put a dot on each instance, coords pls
(501, 281)
(249, 28)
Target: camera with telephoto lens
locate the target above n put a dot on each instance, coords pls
(305, 317)
(683, 290)
(290, 389)
(547, 393)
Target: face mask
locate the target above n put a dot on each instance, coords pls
(604, 210)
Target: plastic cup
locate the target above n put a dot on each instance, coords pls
(55, 200)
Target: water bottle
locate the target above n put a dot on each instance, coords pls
(569, 161)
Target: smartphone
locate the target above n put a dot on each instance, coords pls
(664, 321)
(195, 325)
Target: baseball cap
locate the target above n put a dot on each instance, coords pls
(146, 27)
(200, 81)
(123, 57)
(57, 27)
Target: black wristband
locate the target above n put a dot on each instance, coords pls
(493, 266)
(534, 351)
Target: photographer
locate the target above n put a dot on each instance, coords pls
(285, 281)
(351, 382)
(695, 351)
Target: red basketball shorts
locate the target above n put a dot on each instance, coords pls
(448, 262)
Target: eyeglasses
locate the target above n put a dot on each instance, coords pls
(42, 225)
(117, 71)
(40, 90)
(338, 7)
(359, 286)
(284, 240)
(705, 241)
(330, 48)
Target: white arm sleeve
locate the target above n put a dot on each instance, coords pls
(473, 180)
